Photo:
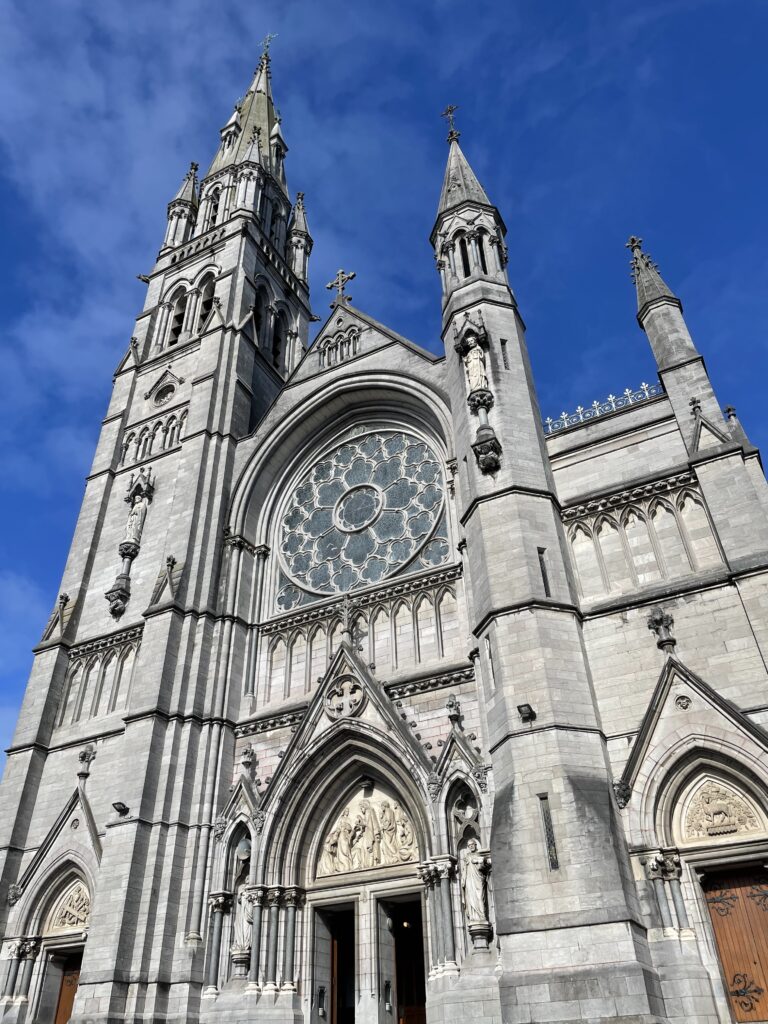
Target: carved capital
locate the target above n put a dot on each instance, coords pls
(445, 867)
(292, 896)
(654, 867)
(128, 549)
(262, 551)
(258, 818)
(220, 902)
(661, 622)
(274, 896)
(29, 948)
(256, 895)
(671, 868)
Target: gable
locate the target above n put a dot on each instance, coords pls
(347, 335)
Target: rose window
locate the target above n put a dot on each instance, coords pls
(372, 506)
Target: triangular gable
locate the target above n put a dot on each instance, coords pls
(333, 706)
(77, 809)
(213, 316)
(166, 587)
(344, 321)
(243, 800)
(457, 748)
(166, 377)
(670, 710)
(706, 434)
(56, 626)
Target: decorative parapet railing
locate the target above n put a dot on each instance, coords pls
(611, 404)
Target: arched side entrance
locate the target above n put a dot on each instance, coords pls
(716, 823)
(44, 966)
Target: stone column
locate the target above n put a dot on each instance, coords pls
(273, 934)
(29, 950)
(427, 874)
(161, 324)
(445, 869)
(262, 553)
(654, 871)
(220, 903)
(258, 894)
(13, 971)
(291, 900)
(671, 871)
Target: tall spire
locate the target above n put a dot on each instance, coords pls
(255, 111)
(649, 283)
(460, 184)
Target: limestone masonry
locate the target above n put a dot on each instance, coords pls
(371, 697)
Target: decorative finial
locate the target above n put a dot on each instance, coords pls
(265, 44)
(634, 244)
(661, 623)
(193, 168)
(450, 110)
(339, 282)
(255, 134)
(299, 198)
(695, 405)
(730, 412)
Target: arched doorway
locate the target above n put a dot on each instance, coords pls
(365, 908)
(63, 935)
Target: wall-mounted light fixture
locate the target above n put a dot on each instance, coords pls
(121, 808)
(526, 712)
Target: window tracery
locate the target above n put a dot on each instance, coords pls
(372, 507)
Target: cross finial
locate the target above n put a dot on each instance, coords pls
(448, 113)
(193, 168)
(695, 404)
(265, 44)
(634, 244)
(339, 283)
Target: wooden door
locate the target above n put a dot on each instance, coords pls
(69, 980)
(738, 906)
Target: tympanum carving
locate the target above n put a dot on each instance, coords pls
(718, 810)
(372, 831)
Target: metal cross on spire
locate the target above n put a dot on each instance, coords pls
(339, 283)
(266, 42)
(448, 113)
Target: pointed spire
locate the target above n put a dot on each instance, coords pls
(649, 283)
(299, 216)
(255, 110)
(188, 190)
(460, 185)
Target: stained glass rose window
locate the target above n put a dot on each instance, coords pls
(371, 506)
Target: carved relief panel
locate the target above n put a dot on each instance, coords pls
(713, 810)
(371, 831)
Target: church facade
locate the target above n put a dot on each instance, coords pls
(372, 697)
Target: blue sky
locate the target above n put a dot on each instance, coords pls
(586, 120)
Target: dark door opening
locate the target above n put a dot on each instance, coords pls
(335, 965)
(70, 976)
(407, 997)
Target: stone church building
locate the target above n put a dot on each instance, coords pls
(370, 696)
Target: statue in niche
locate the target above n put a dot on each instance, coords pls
(242, 927)
(474, 365)
(372, 831)
(136, 517)
(474, 882)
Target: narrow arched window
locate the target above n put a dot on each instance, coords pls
(214, 202)
(464, 256)
(481, 251)
(260, 314)
(177, 318)
(206, 303)
(279, 337)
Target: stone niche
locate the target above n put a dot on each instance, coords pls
(714, 809)
(372, 830)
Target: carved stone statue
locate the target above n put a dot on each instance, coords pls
(474, 883)
(241, 929)
(474, 365)
(718, 810)
(136, 517)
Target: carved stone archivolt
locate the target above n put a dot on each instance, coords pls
(371, 831)
(717, 810)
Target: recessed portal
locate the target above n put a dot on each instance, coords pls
(402, 990)
(335, 961)
(70, 976)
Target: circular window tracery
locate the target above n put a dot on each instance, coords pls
(361, 513)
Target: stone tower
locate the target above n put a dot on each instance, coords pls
(370, 696)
